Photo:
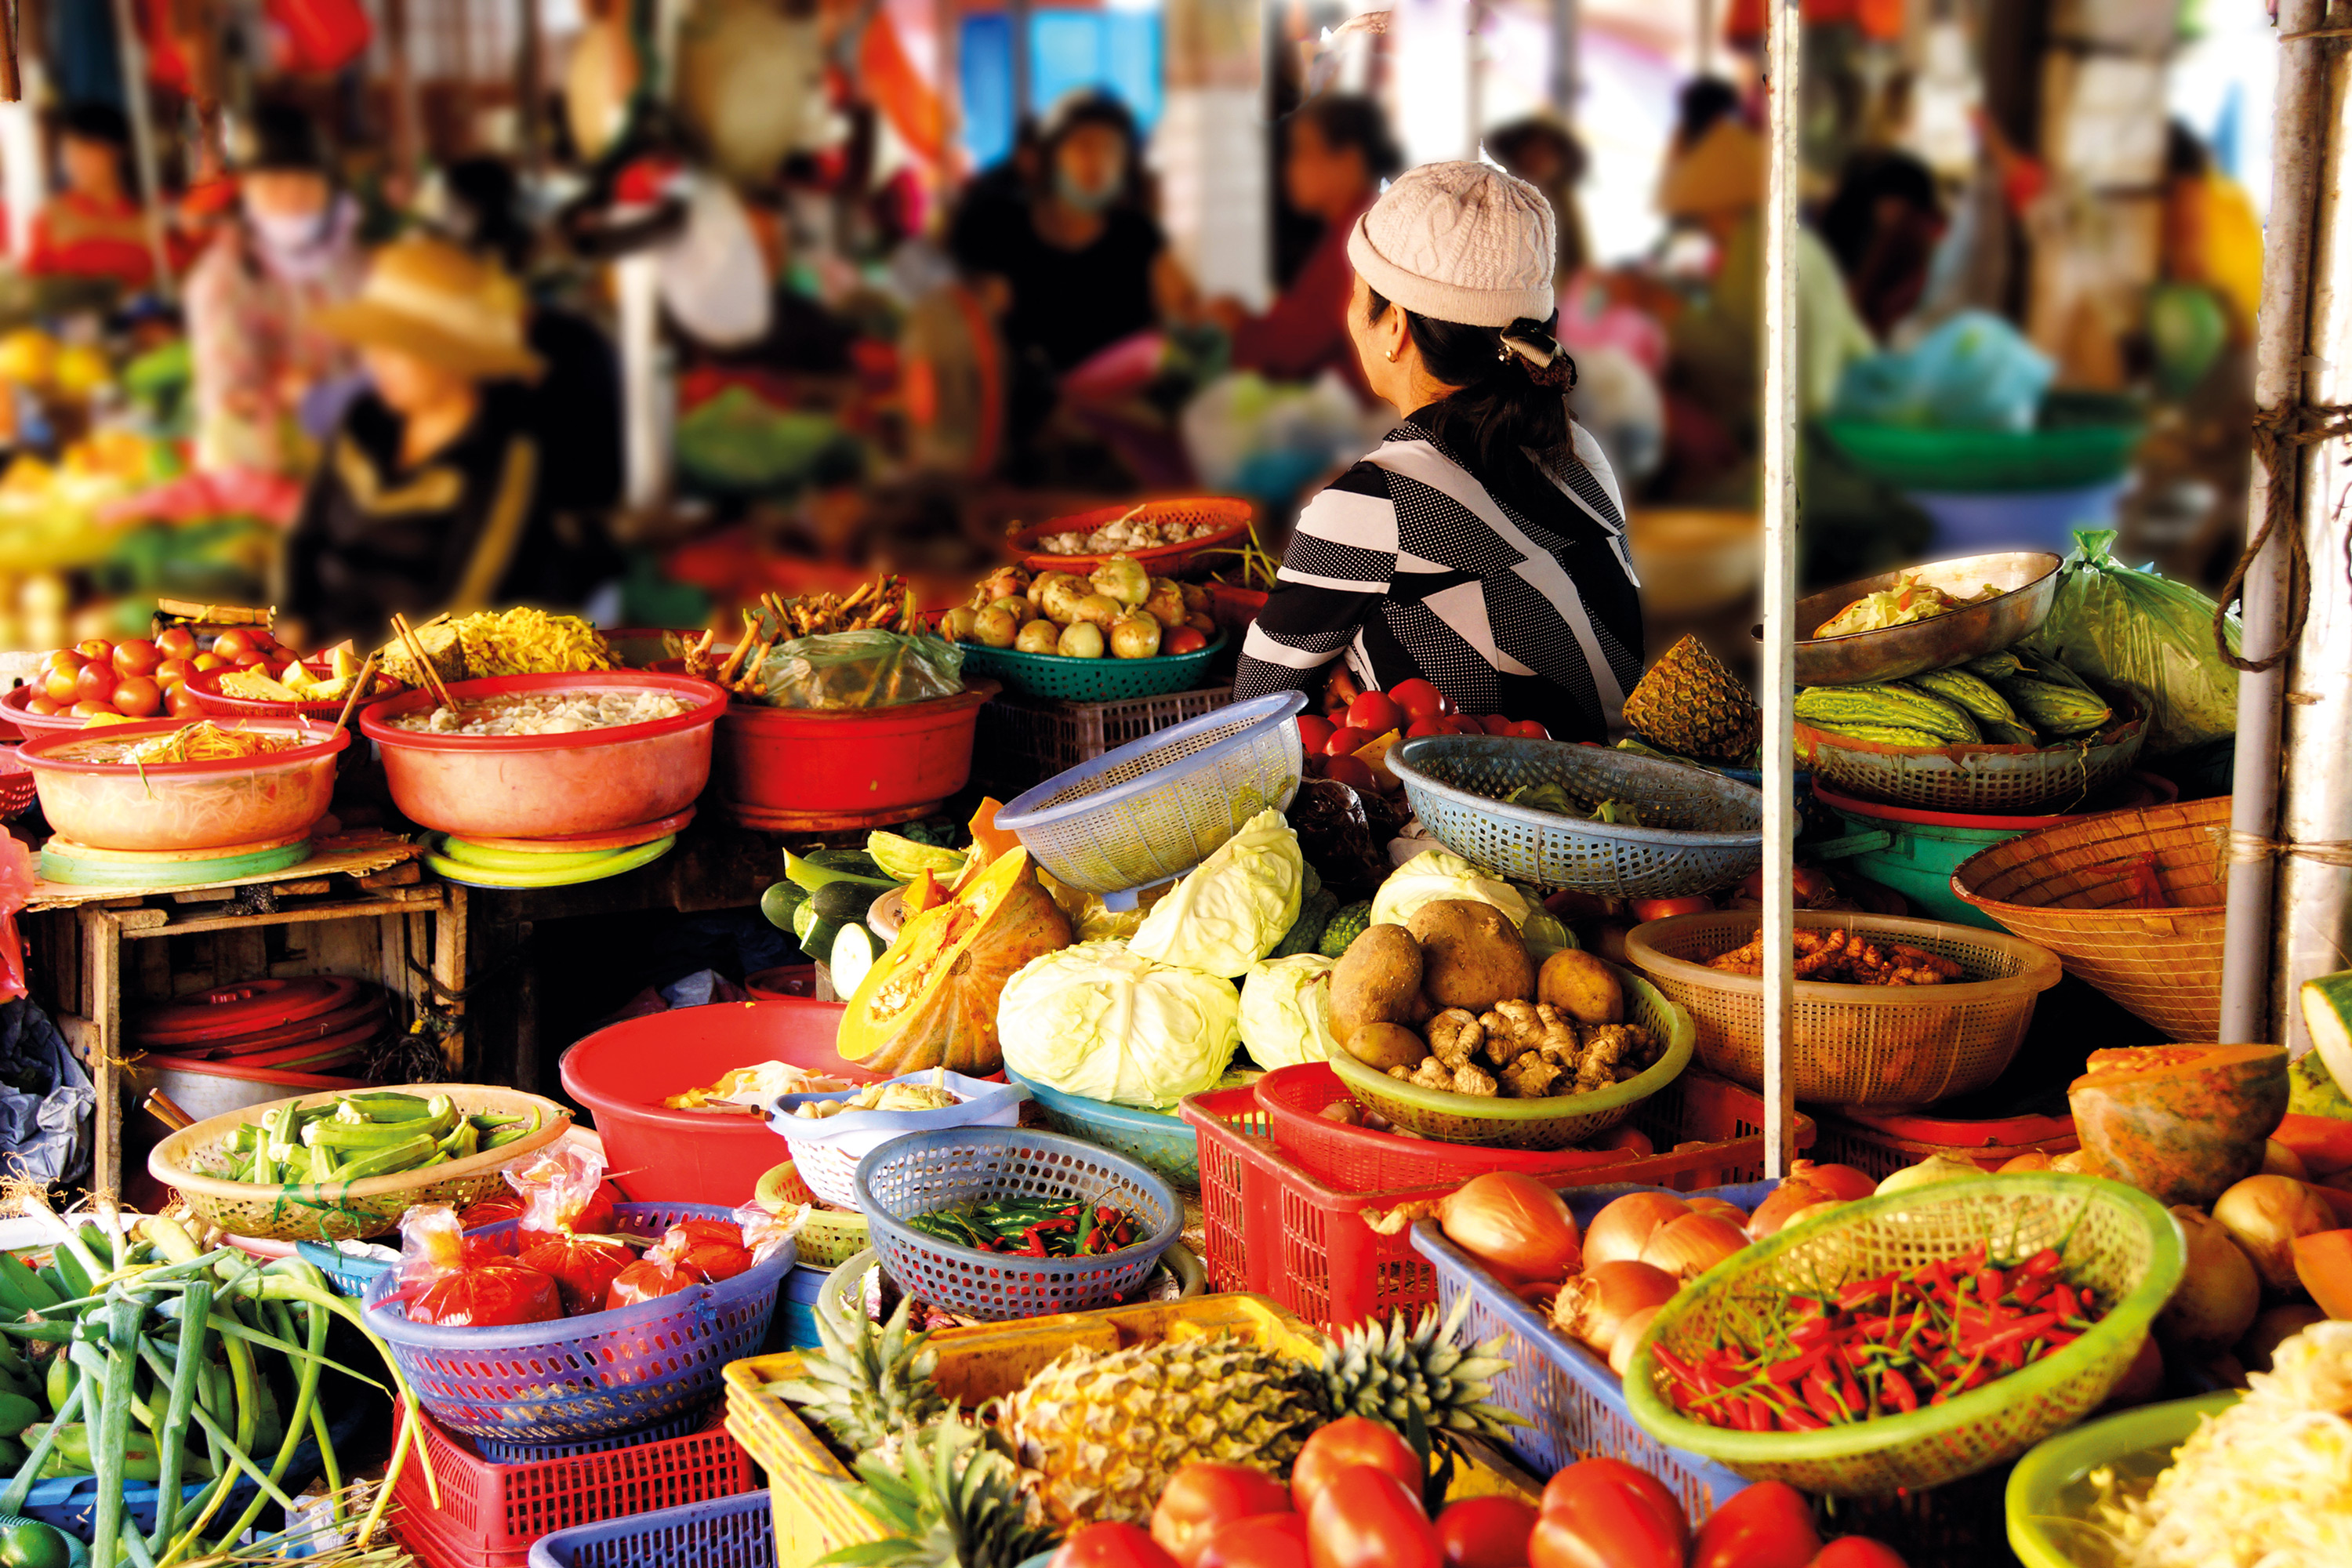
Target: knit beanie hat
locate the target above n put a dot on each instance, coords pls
(1459, 242)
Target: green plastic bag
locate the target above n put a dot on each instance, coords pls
(861, 670)
(2138, 632)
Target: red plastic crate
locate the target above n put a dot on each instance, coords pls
(1880, 1145)
(490, 1513)
(1273, 1227)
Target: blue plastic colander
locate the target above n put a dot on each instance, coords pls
(737, 1531)
(1154, 808)
(924, 1171)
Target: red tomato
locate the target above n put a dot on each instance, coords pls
(1202, 1495)
(1466, 725)
(1769, 1525)
(1419, 700)
(138, 696)
(1184, 639)
(1356, 773)
(1111, 1546)
(1347, 740)
(1313, 731)
(1366, 1517)
(1494, 723)
(173, 671)
(1485, 1533)
(231, 646)
(182, 703)
(583, 1271)
(212, 661)
(136, 656)
(1857, 1552)
(1664, 908)
(1350, 1441)
(93, 711)
(488, 1294)
(94, 682)
(1376, 713)
(97, 649)
(58, 684)
(1527, 730)
(256, 659)
(1265, 1540)
(1605, 1513)
(41, 705)
(176, 642)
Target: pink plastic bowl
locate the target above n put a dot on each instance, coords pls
(546, 786)
(32, 724)
(186, 805)
(205, 686)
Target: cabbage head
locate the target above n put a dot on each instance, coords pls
(1103, 1021)
(1287, 1011)
(1436, 874)
(1235, 906)
(1544, 934)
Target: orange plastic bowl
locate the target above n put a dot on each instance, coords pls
(204, 687)
(548, 787)
(34, 725)
(815, 769)
(185, 805)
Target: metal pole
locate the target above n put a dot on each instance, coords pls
(1778, 666)
(126, 49)
(2282, 330)
(1016, 22)
(2315, 817)
(528, 54)
(1566, 23)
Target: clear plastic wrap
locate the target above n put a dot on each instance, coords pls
(861, 670)
(563, 1190)
(2136, 631)
(447, 1283)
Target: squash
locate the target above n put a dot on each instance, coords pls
(2322, 1261)
(931, 1000)
(2322, 1142)
(2183, 1123)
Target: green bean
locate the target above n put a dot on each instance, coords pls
(187, 1371)
(306, 1395)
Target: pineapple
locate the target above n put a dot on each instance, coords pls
(948, 1500)
(1689, 703)
(867, 1389)
(1098, 1434)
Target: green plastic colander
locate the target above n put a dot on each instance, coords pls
(2050, 1497)
(2122, 1242)
(1092, 679)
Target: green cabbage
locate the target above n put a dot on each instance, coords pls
(1103, 1021)
(1544, 934)
(1434, 875)
(1287, 1011)
(1235, 906)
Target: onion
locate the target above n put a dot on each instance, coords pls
(1720, 1210)
(2031, 1159)
(2217, 1296)
(1794, 1193)
(2278, 1160)
(1619, 1232)
(1631, 1138)
(1594, 1305)
(1814, 1211)
(2278, 1324)
(1842, 1183)
(1933, 1169)
(1629, 1336)
(1689, 1247)
(1514, 1224)
(2264, 1215)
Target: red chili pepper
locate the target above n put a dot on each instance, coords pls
(2063, 1302)
(1991, 1285)
(2014, 1334)
(1821, 1395)
(1797, 1418)
(1900, 1394)
(1862, 1291)
(2029, 1288)
(1848, 1389)
(2045, 1261)
(1812, 1332)
(1681, 1370)
(1797, 1366)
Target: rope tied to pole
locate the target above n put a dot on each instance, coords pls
(2235, 847)
(2278, 432)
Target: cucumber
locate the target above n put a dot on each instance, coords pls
(816, 943)
(854, 952)
(821, 867)
(908, 858)
(779, 902)
(845, 901)
(803, 919)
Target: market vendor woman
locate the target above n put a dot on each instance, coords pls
(1482, 546)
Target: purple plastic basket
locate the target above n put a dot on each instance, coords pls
(737, 1531)
(589, 1376)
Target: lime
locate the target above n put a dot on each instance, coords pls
(29, 1543)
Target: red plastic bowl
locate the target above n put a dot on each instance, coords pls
(168, 806)
(622, 1074)
(814, 769)
(547, 786)
(34, 725)
(1229, 517)
(204, 687)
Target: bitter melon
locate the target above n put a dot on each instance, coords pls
(1972, 696)
(1878, 703)
(1888, 735)
(2055, 710)
(1999, 666)
(1315, 913)
(1345, 927)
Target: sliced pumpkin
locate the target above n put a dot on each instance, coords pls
(930, 1000)
(923, 893)
(2183, 1123)
(2322, 1261)
(2322, 1142)
(989, 843)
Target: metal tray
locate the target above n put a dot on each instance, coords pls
(2029, 579)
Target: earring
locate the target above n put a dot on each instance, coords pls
(1391, 356)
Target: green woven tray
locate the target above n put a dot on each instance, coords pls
(1975, 462)
(1104, 680)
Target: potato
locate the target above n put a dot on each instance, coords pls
(1384, 1046)
(1581, 987)
(1471, 955)
(1376, 981)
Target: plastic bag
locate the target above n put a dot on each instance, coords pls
(662, 1271)
(17, 878)
(712, 1248)
(861, 670)
(562, 1190)
(2136, 631)
(1976, 372)
(583, 1267)
(45, 1100)
(448, 1283)
(765, 1233)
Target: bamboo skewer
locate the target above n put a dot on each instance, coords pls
(359, 689)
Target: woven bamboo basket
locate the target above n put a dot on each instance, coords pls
(2070, 889)
(343, 1211)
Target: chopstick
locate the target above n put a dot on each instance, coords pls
(160, 1106)
(424, 667)
(359, 689)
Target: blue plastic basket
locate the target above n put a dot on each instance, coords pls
(70, 1502)
(1705, 831)
(349, 1276)
(589, 1376)
(1155, 808)
(926, 1170)
(1165, 1143)
(737, 1531)
(1106, 680)
(523, 1451)
(1573, 1404)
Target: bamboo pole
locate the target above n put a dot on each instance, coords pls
(133, 57)
(1778, 666)
(2282, 330)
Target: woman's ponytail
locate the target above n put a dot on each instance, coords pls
(1512, 387)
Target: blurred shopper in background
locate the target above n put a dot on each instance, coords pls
(1335, 154)
(1544, 153)
(269, 383)
(1882, 225)
(94, 227)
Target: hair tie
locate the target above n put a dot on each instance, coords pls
(1540, 356)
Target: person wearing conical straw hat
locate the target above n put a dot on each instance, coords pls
(429, 498)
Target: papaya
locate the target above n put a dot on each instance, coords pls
(2323, 1143)
(931, 1000)
(2183, 1123)
(2327, 1014)
(2322, 1261)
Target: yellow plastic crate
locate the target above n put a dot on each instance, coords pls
(812, 1515)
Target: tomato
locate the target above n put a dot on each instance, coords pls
(65, 670)
(1463, 725)
(1662, 909)
(1375, 712)
(583, 1271)
(212, 661)
(1356, 773)
(1485, 1533)
(1313, 731)
(1350, 1441)
(1858, 1552)
(138, 696)
(1419, 700)
(182, 703)
(1347, 741)
(1366, 1517)
(95, 683)
(93, 711)
(1184, 639)
(96, 649)
(176, 642)
(1769, 1525)
(1111, 1546)
(173, 671)
(1420, 727)
(1494, 723)
(1204, 1495)
(254, 660)
(136, 656)
(1261, 1540)
(231, 646)
(1605, 1513)
(486, 1294)
(1527, 730)
(41, 705)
